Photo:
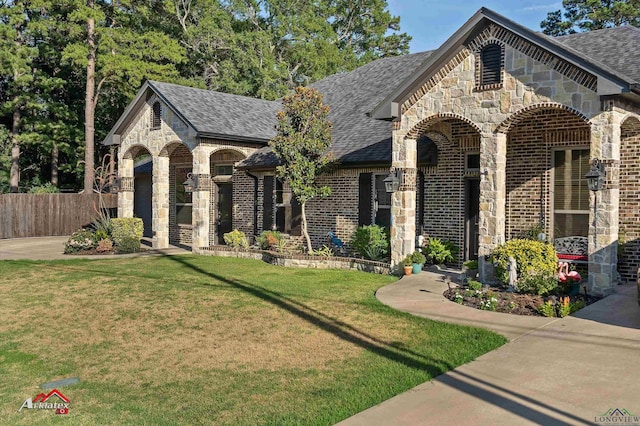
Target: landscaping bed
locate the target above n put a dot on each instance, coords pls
(500, 300)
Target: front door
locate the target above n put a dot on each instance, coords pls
(472, 218)
(225, 211)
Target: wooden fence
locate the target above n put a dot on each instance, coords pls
(42, 215)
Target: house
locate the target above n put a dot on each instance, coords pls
(490, 135)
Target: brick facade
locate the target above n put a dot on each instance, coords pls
(629, 260)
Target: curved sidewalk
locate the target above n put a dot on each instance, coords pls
(552, 371)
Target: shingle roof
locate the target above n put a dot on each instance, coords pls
(357, 138)
(216, 114)
(615, 47)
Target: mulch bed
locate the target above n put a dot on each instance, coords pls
(508, 302)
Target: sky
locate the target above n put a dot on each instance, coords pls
(432, 22)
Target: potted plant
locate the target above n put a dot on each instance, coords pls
(407, 264)
(418, 260)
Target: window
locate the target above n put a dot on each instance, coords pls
(223, 170)
(382, 202)
(279, 213)
(374, 202)
(571, 194)
(156, 116)
(280, 207)
(184, 199)
(472, 162)
(490, 65)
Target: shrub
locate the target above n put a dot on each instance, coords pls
(236, 239)
(537, 284)
(407, 261)
(105, 245)
(471, 264)
(536, 263)
(47, 188)
(80, 240)
(268, 240)
(418, 257)
(474, 285)
(126, 227)
(370, 240)
(438, 251)
(128, 245)
(102, 225)
(325, 251)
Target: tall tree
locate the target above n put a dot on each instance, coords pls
(587, 15)
(265, 48)
(304, 136)
(119, 44)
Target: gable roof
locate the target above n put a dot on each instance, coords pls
(357, 138)
(210, 114)
(610, 80)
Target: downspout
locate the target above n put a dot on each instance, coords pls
(255, 203)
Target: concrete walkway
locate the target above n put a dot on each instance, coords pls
(51, 248)
(552, 371)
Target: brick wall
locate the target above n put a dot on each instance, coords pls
(629, 260)
(178, 234)
(530, 147)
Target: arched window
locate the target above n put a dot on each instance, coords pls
(156, 116)
(491, 65)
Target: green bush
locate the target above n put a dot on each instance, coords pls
(418, 258)
(236, 239)
(370, 240)
(269, 240)
(407, 261)
(102, 225)
(81, 240)
(438, 251)
(474, 285)
(471, 264)
(536, 261)
(128, 245)
(126, 227)
(47, 188)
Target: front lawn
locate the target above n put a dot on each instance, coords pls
(202, 340)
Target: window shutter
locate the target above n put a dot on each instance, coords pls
(296, 217)
(491, 59)
(267, 211)
(364, 199)
(157, 115)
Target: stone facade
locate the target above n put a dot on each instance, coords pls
(542, 103)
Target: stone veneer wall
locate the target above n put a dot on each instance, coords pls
(629, 261)
(530, 147)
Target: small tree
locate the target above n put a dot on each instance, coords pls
(304, 136)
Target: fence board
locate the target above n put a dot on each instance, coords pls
(42, 215)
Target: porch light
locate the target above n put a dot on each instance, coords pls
(392, 182)
(191, 184)
(595, 176)
(116, 185)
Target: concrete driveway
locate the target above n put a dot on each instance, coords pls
(552, 371)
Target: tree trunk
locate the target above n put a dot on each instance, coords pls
(14, 177)
(304, 228)
(54, 165)
(89, 109)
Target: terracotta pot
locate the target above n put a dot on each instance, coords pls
(408, 270)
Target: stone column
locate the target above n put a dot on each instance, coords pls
(493, 163)
(604, 205)
(125, 195)
(403, 201)
(201, 199)
(160, 202)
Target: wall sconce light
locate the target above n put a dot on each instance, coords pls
(595, 176)
(116, 185)
(392, 182)
(191, 184)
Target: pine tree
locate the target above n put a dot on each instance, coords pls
(588, 15)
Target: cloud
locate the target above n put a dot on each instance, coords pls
(549, 7)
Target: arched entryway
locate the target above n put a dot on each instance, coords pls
(137, 167)
(223, 164)
(548, 153)
(180, 201)
(448, 181)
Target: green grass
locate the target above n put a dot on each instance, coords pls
(205, 340)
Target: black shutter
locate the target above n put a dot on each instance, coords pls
(364, 199)
(267, 210)
(296, 217)
(420, 203)
(156, 116)
(491, 58)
